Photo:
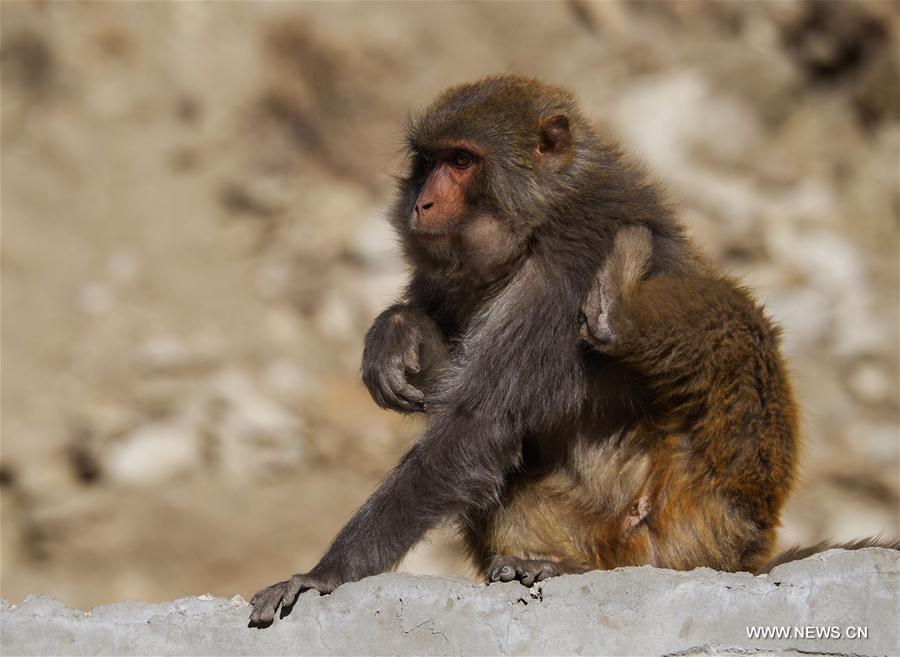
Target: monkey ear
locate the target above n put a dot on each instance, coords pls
(555, 137)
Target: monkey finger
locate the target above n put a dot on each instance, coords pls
(406, 406)
(264, 614)
(383, 392)
(374, 383)
(406, 395)
(396, 378)
(411, 361)
(591, 310)
(503, 574)
(527, 577)
(411, 394)
(264, 608)
(394, 402)
(263, 594)
(294, 585)
(379, 398)
(547, 570)
(587, 329)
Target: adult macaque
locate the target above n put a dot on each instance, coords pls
(645, 447)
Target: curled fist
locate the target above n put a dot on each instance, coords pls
(403, 350)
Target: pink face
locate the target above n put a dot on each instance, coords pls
(441, 203)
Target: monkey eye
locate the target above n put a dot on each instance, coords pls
(462, 159)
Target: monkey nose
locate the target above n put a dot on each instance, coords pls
(420, 207)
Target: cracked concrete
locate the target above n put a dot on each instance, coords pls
(623, 612)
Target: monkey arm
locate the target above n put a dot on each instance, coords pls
(697, 328)
(473, 439)
(404, 350)
(443, 472)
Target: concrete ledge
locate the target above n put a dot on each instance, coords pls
(627, 611)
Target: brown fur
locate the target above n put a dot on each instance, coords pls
(797, 552)
(701, 480)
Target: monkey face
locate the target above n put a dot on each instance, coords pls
(484, 161)
(441, 203)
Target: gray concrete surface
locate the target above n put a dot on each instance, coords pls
(631, 611)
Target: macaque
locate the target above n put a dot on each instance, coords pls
(595, 394)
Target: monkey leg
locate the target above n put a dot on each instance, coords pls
(696, 529)
(540, 530)
(640, 498)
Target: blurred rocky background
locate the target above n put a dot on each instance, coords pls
(193, 247)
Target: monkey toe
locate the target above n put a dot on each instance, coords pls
(526, 571)
(265, 603)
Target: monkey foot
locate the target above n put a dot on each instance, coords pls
(527, 571)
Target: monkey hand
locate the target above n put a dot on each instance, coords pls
(399, 349)
(595, 325)
(266, 602)
(604, 319)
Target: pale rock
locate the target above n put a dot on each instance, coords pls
(802, 313)
(282, 326)
(870, 383)
(627, 611)
(375, 243)
(95, 299)
(879, 443)
(379, 290)
(123, 266)
(833, 266)
(668, 138)
(335, 317)
(165, 352)
(254, 434)
(154, 453)
(273, 278)
(287, 381)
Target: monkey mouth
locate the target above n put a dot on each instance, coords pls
(429, 232)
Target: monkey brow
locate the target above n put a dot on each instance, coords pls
(421, 149)
(418, 149)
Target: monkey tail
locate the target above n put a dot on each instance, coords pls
(796, 553)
